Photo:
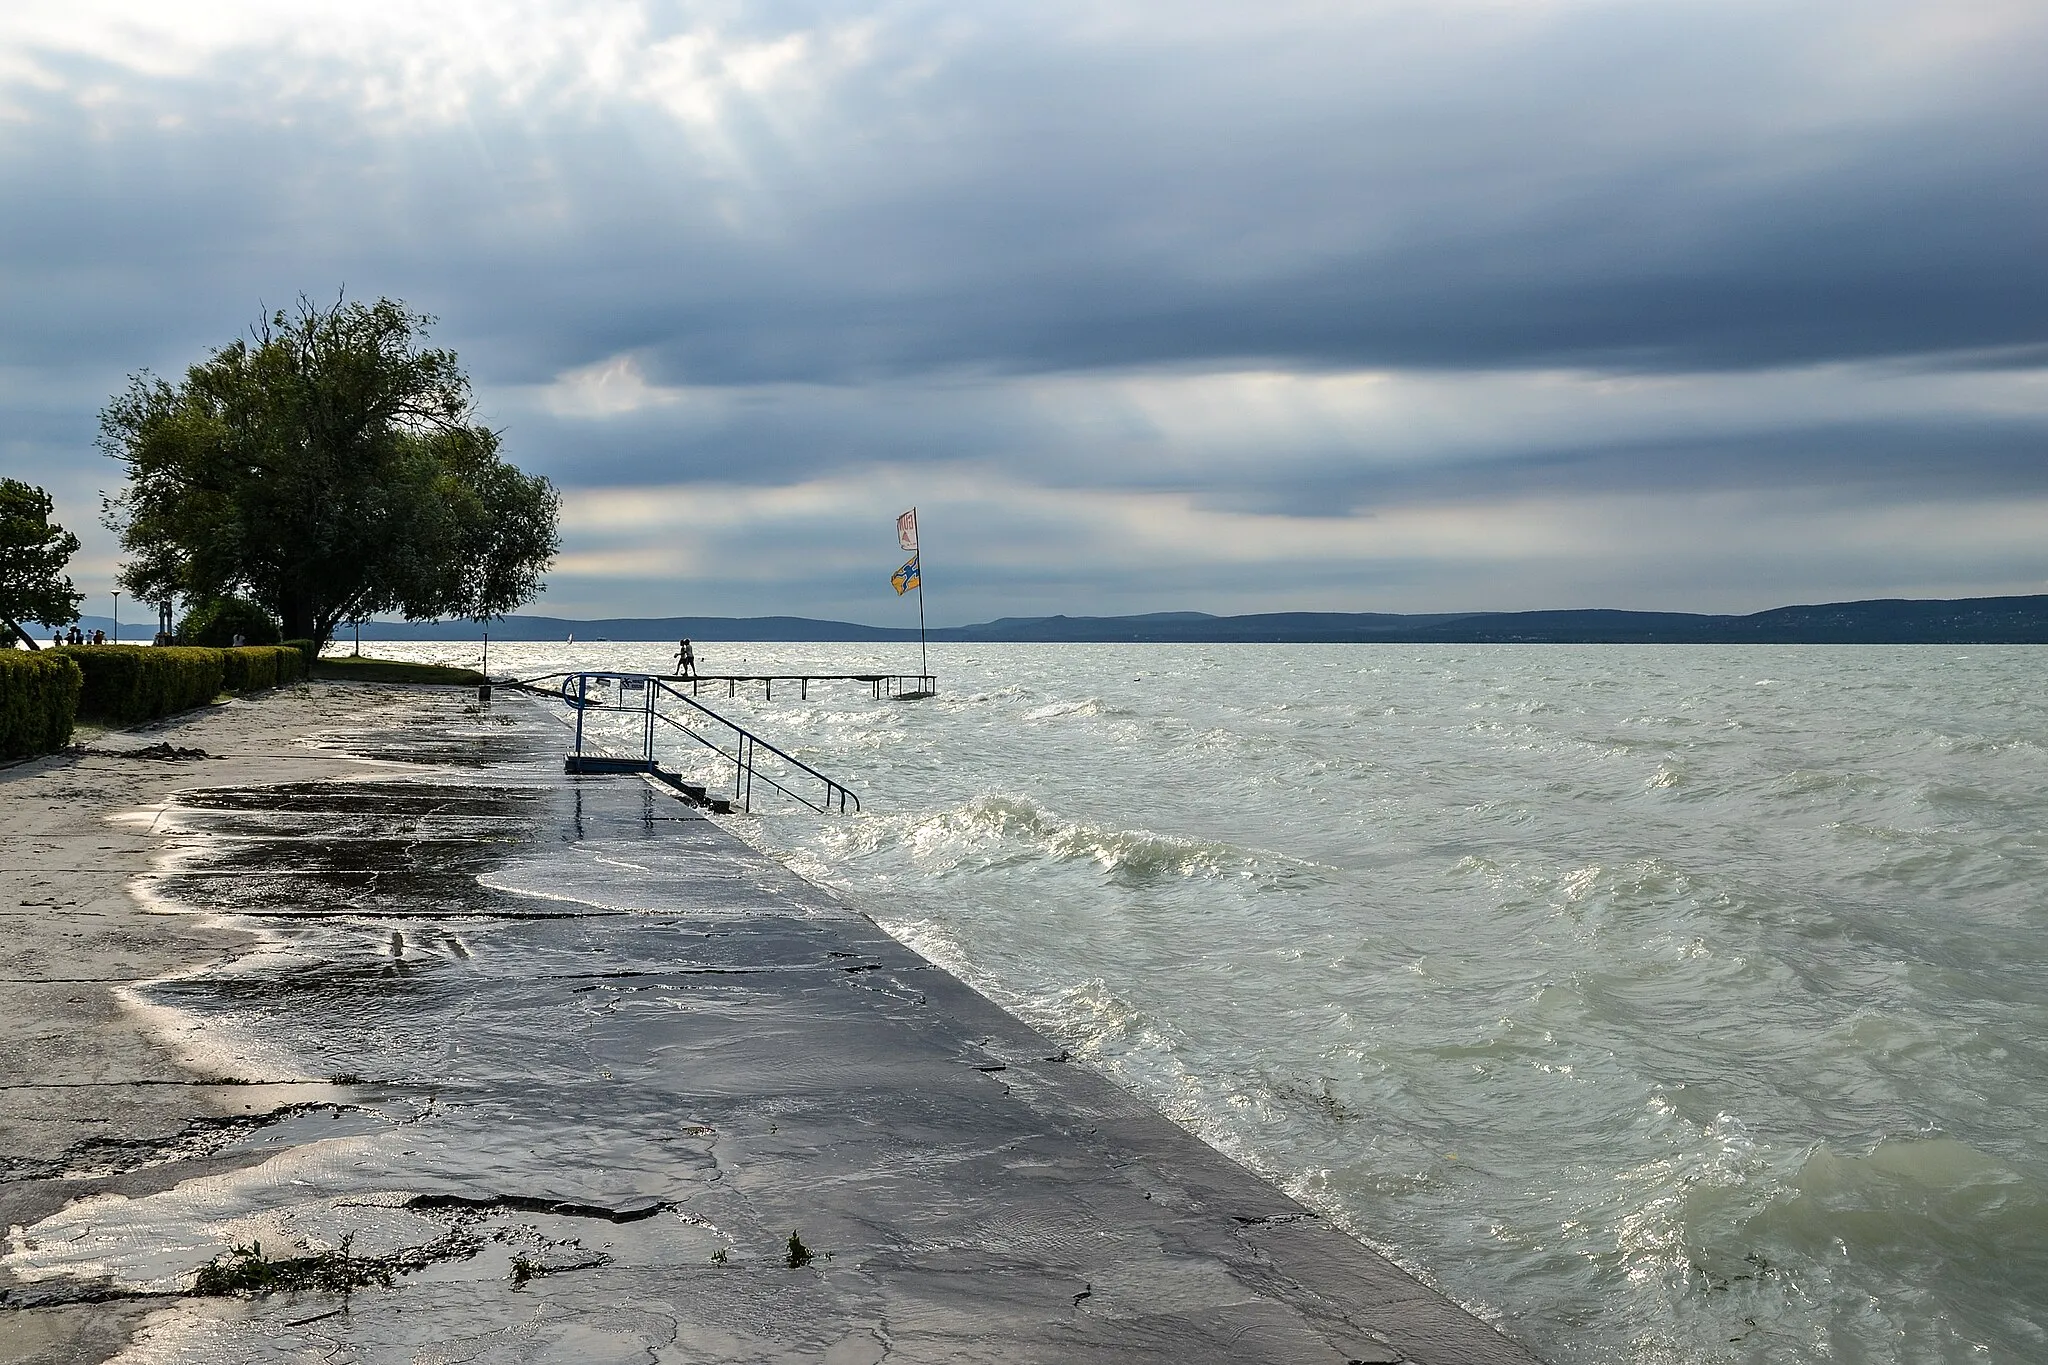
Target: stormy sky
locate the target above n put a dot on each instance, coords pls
(1474, 304)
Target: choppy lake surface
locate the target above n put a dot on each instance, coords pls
(1662, 1004)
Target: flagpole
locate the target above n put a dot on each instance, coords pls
(907, 538)
(922, 662)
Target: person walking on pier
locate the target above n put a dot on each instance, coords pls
(686, 660)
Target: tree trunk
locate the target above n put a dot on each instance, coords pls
(14, 627)
(296, 615)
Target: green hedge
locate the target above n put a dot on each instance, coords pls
(125, 684)
(310, 650)
(291, 663)
(254, 667)
(38, 702)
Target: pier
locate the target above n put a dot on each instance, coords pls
(884, 686)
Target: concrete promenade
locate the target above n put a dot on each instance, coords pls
(566, 1071)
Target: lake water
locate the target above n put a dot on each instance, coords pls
(1660, 1004)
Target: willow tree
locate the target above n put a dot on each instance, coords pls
(330, 467)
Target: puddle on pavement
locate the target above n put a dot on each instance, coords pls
(550, 1005)
(497, 735)
(598, 1065)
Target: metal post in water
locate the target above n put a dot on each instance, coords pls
(582, 697)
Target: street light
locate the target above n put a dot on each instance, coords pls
(117, 616)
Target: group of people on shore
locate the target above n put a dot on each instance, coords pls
(61, 637)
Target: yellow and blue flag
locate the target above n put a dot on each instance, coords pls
(905, 578)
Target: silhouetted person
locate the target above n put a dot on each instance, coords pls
(686, 660)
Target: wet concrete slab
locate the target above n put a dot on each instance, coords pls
(592, 1073)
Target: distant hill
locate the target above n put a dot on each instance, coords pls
(1972, 620)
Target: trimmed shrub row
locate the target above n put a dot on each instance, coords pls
(129, 683)
(38, 702)
(255, 667)
(125, 684)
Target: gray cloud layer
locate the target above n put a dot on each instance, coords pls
(1303, 261)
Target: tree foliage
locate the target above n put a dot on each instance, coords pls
(330, 468)
(218, 620)
(33, 553)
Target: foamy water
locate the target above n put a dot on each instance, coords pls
(1662, 1004)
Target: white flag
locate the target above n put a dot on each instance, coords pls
(906, 530)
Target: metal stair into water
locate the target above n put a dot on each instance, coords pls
(644, 695)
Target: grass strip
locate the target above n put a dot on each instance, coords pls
(350, 668)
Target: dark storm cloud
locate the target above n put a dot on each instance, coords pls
(1660, 187)
(1860, 463)
(1008, 244)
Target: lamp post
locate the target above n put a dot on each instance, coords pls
(117, 616)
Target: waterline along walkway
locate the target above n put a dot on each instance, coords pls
(549, 1066)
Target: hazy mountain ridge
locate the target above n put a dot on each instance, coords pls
(1969, 620)
(1984, 620)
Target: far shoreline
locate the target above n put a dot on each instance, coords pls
(1881, 621)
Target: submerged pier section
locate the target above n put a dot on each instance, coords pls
(885, 686)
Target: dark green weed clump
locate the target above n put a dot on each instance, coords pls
(246, 1270)
(799, 1254)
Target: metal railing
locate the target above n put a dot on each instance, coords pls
(893, 686)
(643, 693)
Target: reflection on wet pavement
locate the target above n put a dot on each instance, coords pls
(601, 1063)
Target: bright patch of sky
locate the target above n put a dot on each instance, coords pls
(1378, 306)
